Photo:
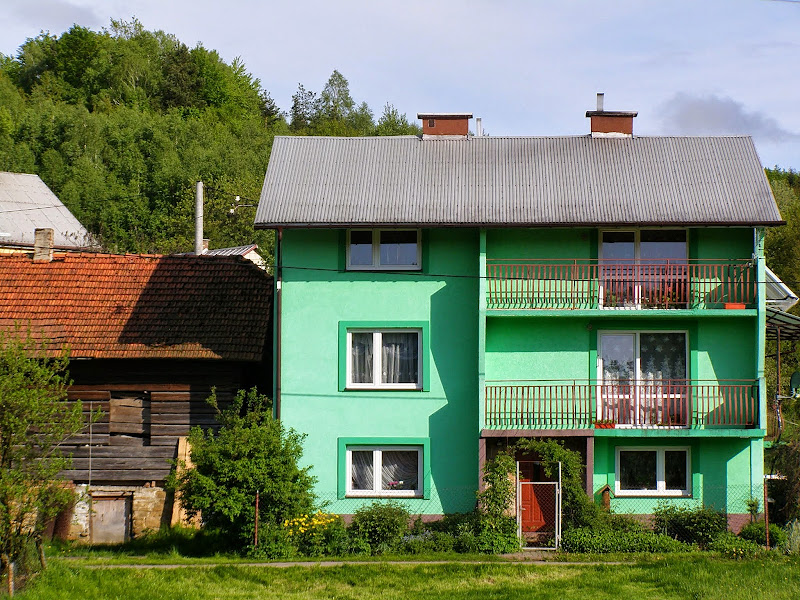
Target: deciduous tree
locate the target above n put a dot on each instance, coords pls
(35, 418)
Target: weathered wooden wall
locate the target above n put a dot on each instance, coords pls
(144, 408)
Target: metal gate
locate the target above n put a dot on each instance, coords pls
(538, 506)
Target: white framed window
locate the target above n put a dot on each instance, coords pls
(644, 268)
(643, 378)
(383, 249)
(390, 471)
(653, 471)
(384, 359)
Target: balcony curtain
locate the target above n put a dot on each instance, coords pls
(663, 357)
(399, 360)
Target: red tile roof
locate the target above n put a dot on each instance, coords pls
(133, 306)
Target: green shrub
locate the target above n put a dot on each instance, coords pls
(693, 526)
(318, 534)
(274, 542)
(792, 545)
(473, 532)
(617, 522)
(732, 546)
(498, 537)
(457, 523)
(602, 541)
(251, 452)
(381, 525)
(426, 542)
(757, 533)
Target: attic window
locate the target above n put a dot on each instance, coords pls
(383, 249)
(431, 122)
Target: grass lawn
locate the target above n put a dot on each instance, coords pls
(692, 576)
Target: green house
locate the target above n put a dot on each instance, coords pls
(441, 296)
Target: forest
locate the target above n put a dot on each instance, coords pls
(121, 123)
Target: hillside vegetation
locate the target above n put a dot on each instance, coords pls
(121, 123)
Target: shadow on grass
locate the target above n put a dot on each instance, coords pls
(176, 541)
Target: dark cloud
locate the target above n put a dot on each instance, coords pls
(685, 114)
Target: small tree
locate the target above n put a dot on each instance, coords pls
(497, 530)
(251, 452)
(35, 418)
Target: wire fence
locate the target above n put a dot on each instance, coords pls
(735, 501)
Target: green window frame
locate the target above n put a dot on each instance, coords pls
(346, 444)
(422, 327)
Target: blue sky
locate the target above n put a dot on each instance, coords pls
(525, 67)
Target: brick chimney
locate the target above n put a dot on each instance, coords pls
(42, 245)
(445, 125)
(611, 123)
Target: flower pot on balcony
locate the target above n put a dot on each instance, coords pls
(734, 305)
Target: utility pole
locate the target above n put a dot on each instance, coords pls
(198, 219)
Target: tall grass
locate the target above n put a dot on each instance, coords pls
(657, 578)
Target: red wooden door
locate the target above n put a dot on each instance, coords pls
(532, 517)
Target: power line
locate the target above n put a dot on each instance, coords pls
(32, 208)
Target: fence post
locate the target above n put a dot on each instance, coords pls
(766, 511)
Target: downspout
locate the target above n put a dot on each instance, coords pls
(277, 346)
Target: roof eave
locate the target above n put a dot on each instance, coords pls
(354, 224)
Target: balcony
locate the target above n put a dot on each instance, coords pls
(577, 404)
(581, 284)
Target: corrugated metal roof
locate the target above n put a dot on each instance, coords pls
(778, 293)
(534, 181)
(232, 251)
(27, 203)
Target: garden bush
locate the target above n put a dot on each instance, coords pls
(251, 453)
(426, 542)
(274, 542)
(602, 541)
(381, 524)
(731, 546)
(757, 533)
(792, 545)
(698, 526)
(617, 522)
(318, 534)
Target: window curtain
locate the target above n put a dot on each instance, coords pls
(663, 357)
(399, 470)
(399, 357)
(361, 357)
(362, 472)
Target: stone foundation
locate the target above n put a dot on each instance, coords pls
(150, 507)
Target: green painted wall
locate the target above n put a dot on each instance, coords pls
(561, 348)
(535, 348)
(317, 296)
(720, 243)
(714, 243)
(726, 472)
(541, 243)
